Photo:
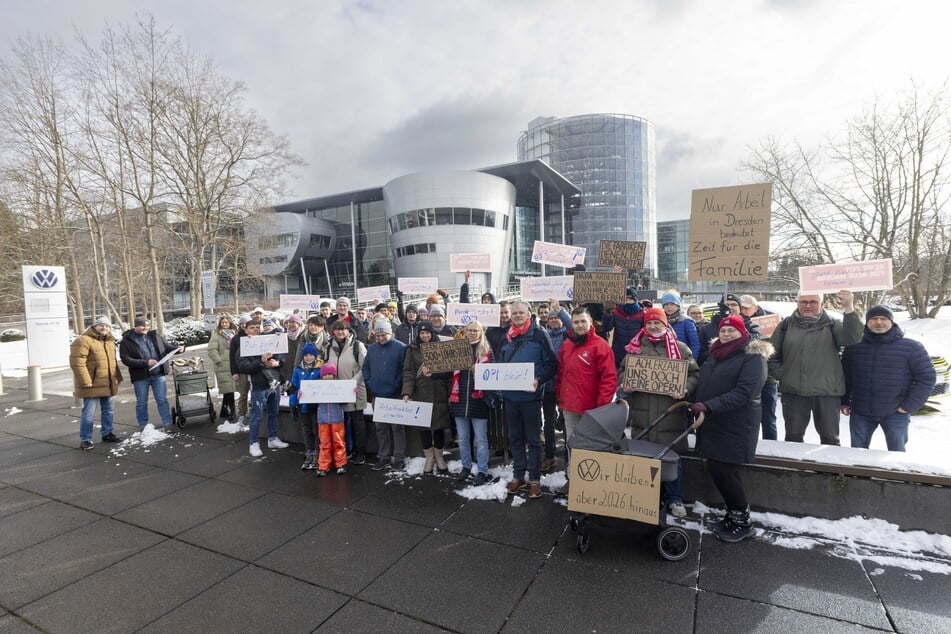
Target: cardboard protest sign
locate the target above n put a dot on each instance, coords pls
(399, 412)
(417, 285)
(373, 292)
(328, 391)
(729, 233)
(302, 303)
(600, 287)
(475, 262)
(870, 275)
(259, 344)
(624, 253)
(462, 314)
(505, 376)
(767, 324)
(545, 288)
(557, 254)
(654, 374)
(615, 485)
(446, 356)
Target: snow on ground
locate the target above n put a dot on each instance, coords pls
(10, 411)
(231, 428)
(147, 437)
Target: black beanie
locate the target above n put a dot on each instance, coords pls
(879, 311)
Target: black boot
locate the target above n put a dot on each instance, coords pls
(735, 527)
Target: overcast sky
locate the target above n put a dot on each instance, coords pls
(367, 91)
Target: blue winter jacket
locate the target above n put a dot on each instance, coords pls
(302, 374)
(532, 347)
(686, 331)
(383, 368)
(887, 371)
(625, 326)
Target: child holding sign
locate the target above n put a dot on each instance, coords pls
(306, 413)
(333, 445)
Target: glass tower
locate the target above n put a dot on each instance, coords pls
(610, 157)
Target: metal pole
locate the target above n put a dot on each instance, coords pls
(1, 379)
(34, 372)
(329, 284)
(303, 273)
(353, 250)
(541, 215)
(564, 237)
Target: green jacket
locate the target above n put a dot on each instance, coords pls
(807, 361)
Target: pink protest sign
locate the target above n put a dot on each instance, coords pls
(870, 275)
(767, 324)
(479, 262)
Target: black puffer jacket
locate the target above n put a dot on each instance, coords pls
(730, 388)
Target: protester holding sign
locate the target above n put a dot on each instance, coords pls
(306, 413)
(727, 406)
(333, 445)
(526, 343)
(657, 340)
(140, 350)
(383, 373)
(420, 384)
(625, 321)
(264, 374)
(470, 408)
(346, 352)
(808, 368)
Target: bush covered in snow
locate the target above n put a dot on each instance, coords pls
(185, 331)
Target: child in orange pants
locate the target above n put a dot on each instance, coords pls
(330, 428)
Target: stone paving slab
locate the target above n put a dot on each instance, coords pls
(358, 617)
(534, 525)
(38, 523)
(13, 500)
(114, 497)
(422, 500)
(916, 601)
(717, 613)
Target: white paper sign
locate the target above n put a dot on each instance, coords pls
(309, 303)
(399, 412)
(328, 391)
(505, 376)
(557, 254)
(462, 314)
(417, 285)
(208, 289)
(537, 289)
(476, 262)
(373, 292)
(259, 344)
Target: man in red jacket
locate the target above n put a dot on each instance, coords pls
(586, 376)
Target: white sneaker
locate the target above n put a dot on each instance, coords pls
(256, 451)
(677, 510)
(276, 443)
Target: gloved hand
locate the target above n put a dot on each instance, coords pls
(698, 408)
(399, 294)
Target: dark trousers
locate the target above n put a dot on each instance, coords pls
(726, 477)
(767, 399)
(524, 425)
(550, 417)
(825, 415)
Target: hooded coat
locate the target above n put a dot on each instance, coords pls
(427, 389)
(219, 351)
(730, 388)
(92, 357)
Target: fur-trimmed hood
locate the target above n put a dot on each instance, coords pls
(761, 347)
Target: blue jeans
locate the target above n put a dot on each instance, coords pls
(105, 403)
(261, 401)
(523, 419)
(894, 425)
(480, 426)
(768, 400)
(159, 390)
(673, 490)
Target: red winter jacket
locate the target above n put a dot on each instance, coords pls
(586, 377)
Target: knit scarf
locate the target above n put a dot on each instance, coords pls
(515, 331)
(668, 337)
(226, 334)
(454, 395)
(721, 351)
(294, 335)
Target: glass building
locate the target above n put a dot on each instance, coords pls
(610, 157)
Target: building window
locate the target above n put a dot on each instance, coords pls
(278, 241)
(416, 249)
(318, 241)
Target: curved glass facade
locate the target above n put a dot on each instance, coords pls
(610, 157)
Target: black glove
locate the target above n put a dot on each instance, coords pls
(399, 294)
(289, 388)
(724, 309)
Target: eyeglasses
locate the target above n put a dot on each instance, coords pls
(809, 302)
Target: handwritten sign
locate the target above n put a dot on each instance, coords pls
(505, 376)
(372, 293)
(729, 233)
(447, 356)
(871, 275)
(544, 288)
(259, 344)
(417, 285)
(328, 391)
(615, 485)
(600, 287)
(654, 374)
(462, 314)
(477, 262)
(399, 412)
(557, 254)
(767, 324)
(623, 253)
(300, 302)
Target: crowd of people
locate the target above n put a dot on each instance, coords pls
(733, 378)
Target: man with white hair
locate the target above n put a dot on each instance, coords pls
(344, 312)
(807, 365)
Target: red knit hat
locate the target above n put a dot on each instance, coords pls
(655, 314)
(736, 321)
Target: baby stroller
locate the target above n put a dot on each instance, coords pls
(192, 396)
(602, 430)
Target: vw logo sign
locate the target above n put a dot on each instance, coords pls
(44, 278)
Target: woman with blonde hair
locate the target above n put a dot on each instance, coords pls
(470, 409)
(219, 351)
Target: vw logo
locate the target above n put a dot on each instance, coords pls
(589, 470)
(44, 278)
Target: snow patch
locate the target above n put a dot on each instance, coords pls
(147, 437)
(11, 411)
(231, 428)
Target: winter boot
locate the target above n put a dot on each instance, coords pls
(441, 465)
(735, 527)
(430, 460)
